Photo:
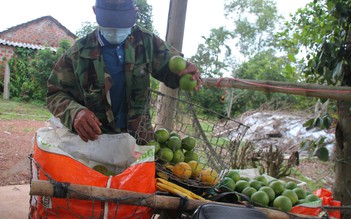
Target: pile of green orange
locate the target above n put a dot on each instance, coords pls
(170, 147)
(273, 193)
(178, 155)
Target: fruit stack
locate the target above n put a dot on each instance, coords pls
(178, 160)
(274, 193)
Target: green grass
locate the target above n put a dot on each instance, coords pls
(10, 110)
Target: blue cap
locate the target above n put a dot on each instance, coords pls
(115, 13)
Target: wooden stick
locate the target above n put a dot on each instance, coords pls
(303, 89)
(83, 192)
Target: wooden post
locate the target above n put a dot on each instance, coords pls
(174, 36)
(6, 94)
(308, 90)
(83, 192)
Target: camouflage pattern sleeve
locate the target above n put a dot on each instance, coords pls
(163, 52)
(62, 92)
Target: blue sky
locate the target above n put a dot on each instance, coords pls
(202, 15)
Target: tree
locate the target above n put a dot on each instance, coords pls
(30, 71)
(41, 67)
(261, 67)
(144, 15)
(254, 21)
(20, 86)
(323, 29)
(86, 27)
(213, 56)
(213, 59)
(253, 24)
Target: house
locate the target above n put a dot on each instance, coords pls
(41, 33)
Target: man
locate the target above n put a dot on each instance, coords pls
(100, 85)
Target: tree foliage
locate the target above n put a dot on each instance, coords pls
(210, 98)
(144, 15)
(213, 59)
(20, 76)
(30, 70)
(249, 38)
(263, 66)
(213, 56)
(42, 65)
(322, 28)
(254, 21)
(86, 27)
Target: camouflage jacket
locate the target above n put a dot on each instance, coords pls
(80, 79)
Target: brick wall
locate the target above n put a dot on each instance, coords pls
(44, 31)
(6, 52)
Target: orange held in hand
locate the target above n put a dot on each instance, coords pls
(187, 83)
(177, 64)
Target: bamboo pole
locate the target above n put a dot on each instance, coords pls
(302, 89)
(83, 192)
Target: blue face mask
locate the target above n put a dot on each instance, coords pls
(115, 35)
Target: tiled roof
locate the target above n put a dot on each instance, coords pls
(25, 45)
(38, 20)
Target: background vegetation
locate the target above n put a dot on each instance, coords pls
(215, 57)
(312, 47)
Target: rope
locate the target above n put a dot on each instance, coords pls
(182, 205)
(60, 190)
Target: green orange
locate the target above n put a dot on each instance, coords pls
(177, 64)
(291, 195)
(165, 154)
(156, 144)
(260, 197)
(174, 143)
(241, 185)
(283, 203)
(235, 175)
(227, 184)
(249, 191)
(278, 187)
(262, 179)
(188, 143)
(301, 194)
(270, 192)
(178, 156)
(190, 155)
(161, 135)
(187, 83)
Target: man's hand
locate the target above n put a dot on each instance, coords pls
(192, 69)
(87, 125)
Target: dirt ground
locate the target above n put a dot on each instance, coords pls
(16, 145)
